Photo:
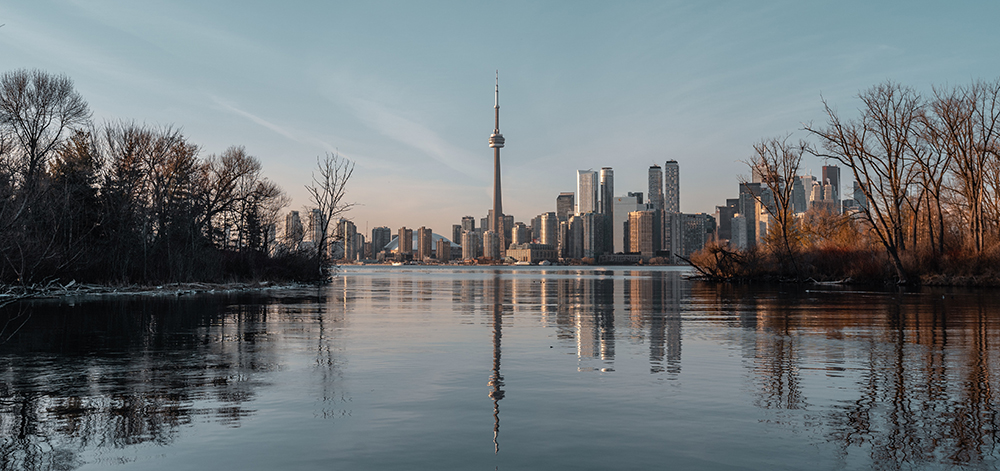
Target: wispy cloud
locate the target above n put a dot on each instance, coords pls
(411, 133)
(256, 119)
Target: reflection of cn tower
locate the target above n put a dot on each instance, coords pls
(496, 380)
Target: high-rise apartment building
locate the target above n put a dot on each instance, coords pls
(491, 245)
(468, 223)
(640, 225)
(672, 187)
(405, 239)
(347, 237)
(623, 205)
(424, 243)
(655, 188)
(443, 250)
(606, 204)
(456, 233)
(293, 229)
(607, 208)
(586, 191)
(550, 229)
(381, 236)
(564, 205)
(520, 234)
(471, 245)
(317, 224)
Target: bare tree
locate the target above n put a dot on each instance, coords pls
(327, 191)
(777, 162)
(878, 148)
(38, 108)
(966, 129)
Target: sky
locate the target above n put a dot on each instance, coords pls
(405, 89)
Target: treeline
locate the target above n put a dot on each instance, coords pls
(124, 202)
(929, 170)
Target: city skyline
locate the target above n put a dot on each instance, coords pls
(400, 89)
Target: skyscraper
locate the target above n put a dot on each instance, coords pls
(550, 229)
(424, 243)
(623, 206)
(293, 229)
(496, 142)
(405, 239)
(607, 208)
(655, 188)
(468, 223)
(381, 236)
(586, 191)
(831, 175)
(564, 205)
(672, 187)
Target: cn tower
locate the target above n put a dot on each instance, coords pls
(496, 142)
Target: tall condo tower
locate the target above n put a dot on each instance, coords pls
(586, 192)
(496, 142)
(672, 187)
(655, 195)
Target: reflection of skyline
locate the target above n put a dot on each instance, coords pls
(496, 379)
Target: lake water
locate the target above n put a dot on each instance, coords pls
(511, 368)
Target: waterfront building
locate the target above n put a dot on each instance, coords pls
(641, 240)
(593, 233)
(508, 226)
(724, 220)
(607, 208)
(294, 232)
(571, 238)
(623, 205)
(345, 236)
(456, 233)
(564, 205)
(404, 239)
(380, 238)
(317, 226)
(739, 233)
(520, 234)
(491, 245)
(471, 245)
(748, 208)
(690, 233)
(443, 250)
(586, 191)
(424, 244)
(550, 229)
(672, 187)
(468, 223)
(655, 188)
(536, 228)
(532, 253)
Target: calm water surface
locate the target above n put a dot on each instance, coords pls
(526, 368)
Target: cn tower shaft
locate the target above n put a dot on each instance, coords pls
(496, 142)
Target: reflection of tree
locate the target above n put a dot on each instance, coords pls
(117, 373)
(924, 371)
(776, 360)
